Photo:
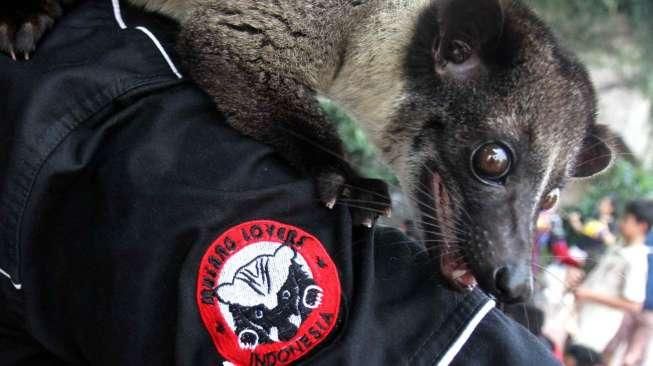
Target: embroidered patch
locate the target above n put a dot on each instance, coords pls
(268, 293)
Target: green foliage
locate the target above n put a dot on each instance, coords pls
(599, 28)
(624, 182)
(360, 152)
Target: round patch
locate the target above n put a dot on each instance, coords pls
(268, 293)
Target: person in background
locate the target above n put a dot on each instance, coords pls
(636, 328)
(606, 209)
(617, 285)
(551, 241)
(595, 234)
(576, 355)
(553, 262)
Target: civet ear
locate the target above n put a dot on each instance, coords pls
(466, 27)
(596, 153)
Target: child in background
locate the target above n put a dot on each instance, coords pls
(601, 227)
(594, 235)
(636, 328)
(576, 355)
(551, 242)
(617, 285)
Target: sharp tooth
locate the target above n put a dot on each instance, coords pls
(458, 273)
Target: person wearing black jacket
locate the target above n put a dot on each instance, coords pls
(137, 228)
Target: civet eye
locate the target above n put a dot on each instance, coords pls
(258, 314)
(491, 162)
(551, 199)
(460, 52)
(285, 295)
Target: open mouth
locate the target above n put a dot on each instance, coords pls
(453, 264)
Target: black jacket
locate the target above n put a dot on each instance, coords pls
(137, 228)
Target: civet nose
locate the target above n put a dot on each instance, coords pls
(514, 284)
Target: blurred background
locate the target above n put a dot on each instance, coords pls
(581, 251)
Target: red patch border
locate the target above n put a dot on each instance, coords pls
(325, 274)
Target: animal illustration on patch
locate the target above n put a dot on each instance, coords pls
(269, 298)
(268, 293)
